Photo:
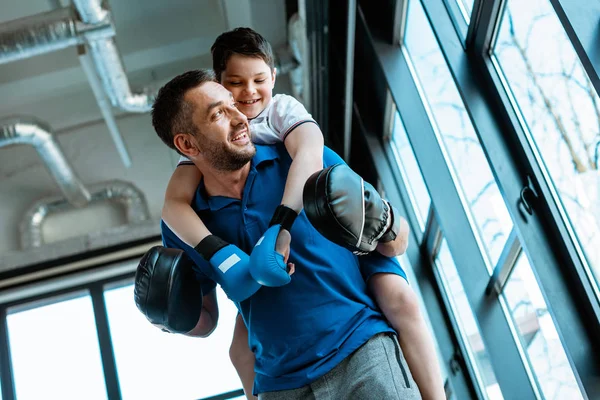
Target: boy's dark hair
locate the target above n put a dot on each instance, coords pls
(171, 113)
(243, 41)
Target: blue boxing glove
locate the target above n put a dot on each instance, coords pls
(229, 267)
(267, 266)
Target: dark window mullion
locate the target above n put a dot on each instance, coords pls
(483, 24)
(580, 20)
(543, 235)
(453, 218)
(429, 281)
(106, 348)
(456, 15)
(506, 264)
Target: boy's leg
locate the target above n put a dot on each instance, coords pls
(399, 304)
(242, 357)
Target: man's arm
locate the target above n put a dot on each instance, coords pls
(208, 318)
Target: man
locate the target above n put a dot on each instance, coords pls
(319, 336)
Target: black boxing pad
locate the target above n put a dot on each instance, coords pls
(166, 290)
(346, 209)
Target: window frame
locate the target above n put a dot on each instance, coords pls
(582, 30)
(94, 281)
(568, 294)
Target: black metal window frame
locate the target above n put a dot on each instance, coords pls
(42, 293)
(542, 235)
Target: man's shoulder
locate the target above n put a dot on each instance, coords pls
(330, 157)
(266, 152)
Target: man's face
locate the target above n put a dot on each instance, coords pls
(223, 134)
(251, 81)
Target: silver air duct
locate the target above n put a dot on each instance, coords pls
(108, 62)
(45, 33)
(61, 28)
(120, 192)
(26, 130)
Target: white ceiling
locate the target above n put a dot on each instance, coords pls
(157, 40)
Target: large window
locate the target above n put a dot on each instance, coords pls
(54, 350)
(537, 333)
(560, 113)
(467, 324)
(152, 364)
(410, 171)
(472, 174)
(62, 346)
(523, 301)
(499, 123)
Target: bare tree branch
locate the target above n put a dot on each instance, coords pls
(567, 79)
(578, 164)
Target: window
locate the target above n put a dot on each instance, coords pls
(472, 174)
(559, 111)
(537, 333)
(477, 354)
(54, 350)
(410, 171)
(466, 6)
(159, 365)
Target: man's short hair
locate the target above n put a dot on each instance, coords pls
(171, 114)
(243, 41)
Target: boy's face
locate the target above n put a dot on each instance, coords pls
(251, 81)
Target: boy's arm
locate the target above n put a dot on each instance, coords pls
(177, 212)
(399, 245)
(305, 146)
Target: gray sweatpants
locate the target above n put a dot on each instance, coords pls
(376, 370)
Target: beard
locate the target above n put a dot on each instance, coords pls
(224, 157)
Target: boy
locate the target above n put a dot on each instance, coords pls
(243, 63)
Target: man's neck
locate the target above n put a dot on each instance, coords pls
(226, 183)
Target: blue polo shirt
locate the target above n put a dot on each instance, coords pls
(300, 331)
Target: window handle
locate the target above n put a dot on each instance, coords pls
(527, 198)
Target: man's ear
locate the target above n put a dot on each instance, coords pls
(274, 75)
(185, 143)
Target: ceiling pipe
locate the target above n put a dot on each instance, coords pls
(47, 32)
(108, 63)
(26, 130)
(61, 28)
(87, 65)
(116, 191)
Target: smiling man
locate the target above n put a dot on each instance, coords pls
(321, 335)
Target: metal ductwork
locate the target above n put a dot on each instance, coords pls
(108, 62)
(120, 192)
(90, 25)
(59, 29)
(27, 130)
(45, 33)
